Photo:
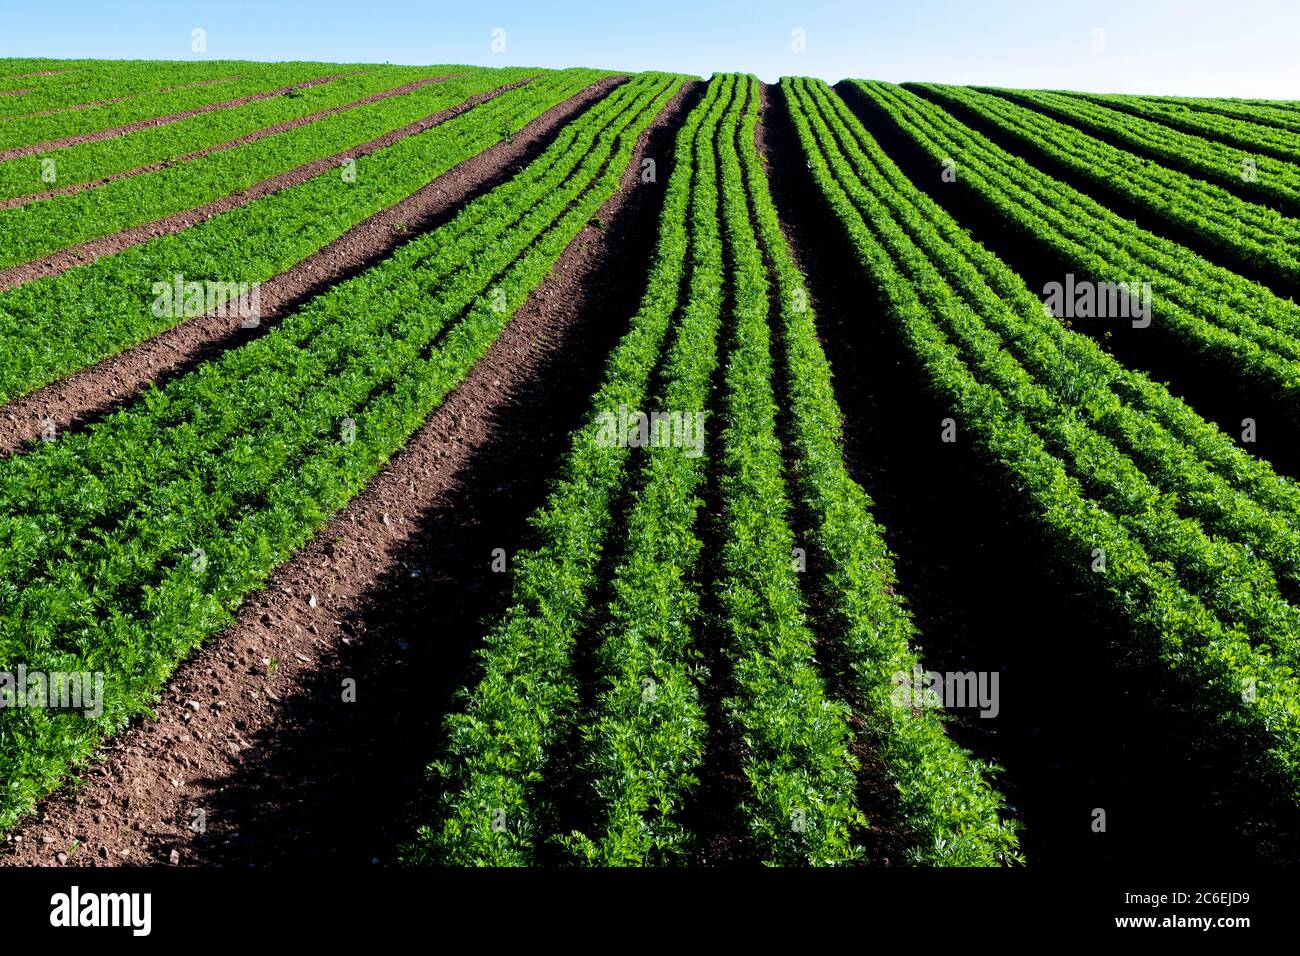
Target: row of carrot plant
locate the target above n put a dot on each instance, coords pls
(94, 81)
(55, 223)
(89, 162)
(1240, 233)
(643, 741)
(126, 544)
(501, 742)
(1208, 608)
(801, 805)
(104, 113)
(57, 325)
(1282, 114)
(947, 803)
(1242, 133)
(1259, 177)
(1215, 311)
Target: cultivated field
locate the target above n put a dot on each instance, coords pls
(450, 465)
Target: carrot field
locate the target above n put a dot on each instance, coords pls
(468, 466)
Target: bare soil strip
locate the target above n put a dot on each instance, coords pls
(65, 259)
(87, 395)
(115, 131)
(16, 201)
(14, 92)
(253, 738)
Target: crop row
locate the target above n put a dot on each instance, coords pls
(125, 78)
(802, 804)
(61, 221)
(1282, 114)
(1240, 232)
(195, 493)
(951, 811)
(1085, 493)
(13, 67)
(501, 743)
(643, 738)
(644, 744)
(87, 162)
(1211, 308)
(1241, 584)
(1244, 134)
(217, 430)
(63, 323)
(44, 126)
(1263, 178)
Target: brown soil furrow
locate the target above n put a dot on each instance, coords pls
(87, 395)
(115, 131)
(247, 138)
(14, 92)
(252, 731)
(65, 259)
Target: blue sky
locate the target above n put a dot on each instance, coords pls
(1197, 47)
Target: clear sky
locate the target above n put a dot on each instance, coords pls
(1195, 47)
